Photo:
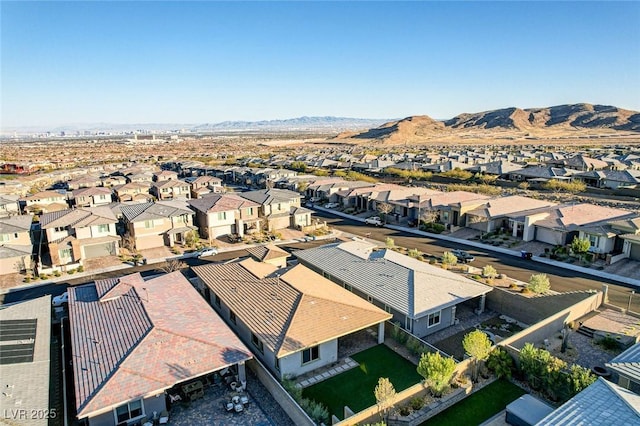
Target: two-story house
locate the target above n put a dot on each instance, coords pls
(280, 208)
(165, 175)
(133, 191)
(222, 214)
(91, 197)
(171, 190)
(9, 205)
(45, 201)
(15, 244)
(202, 185)
(158, 224)
(73, 236)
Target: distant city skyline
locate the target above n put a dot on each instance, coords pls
(208, 62)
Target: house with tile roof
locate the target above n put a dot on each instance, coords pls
(602, 403)
(159, 224)
(133, 191)
(15, 244)
(222, 214)
(164, 175)
(495, 213)
(611, 179)
(73, 236)
(87, 181)
(45, 201)
(134, 340)
(280, 208)
(9, 205)
(291, 319)
(91, 197)
(421, 297)
(563, 223)
(541, 174)
(626, 369)
(270, 254)
(25, 362)
(171, 190)
(203, 185)
(444, 207)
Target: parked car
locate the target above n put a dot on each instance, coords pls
(234, 238)
(331, 205)
(203, 252)
(60, 300)
(463, 256)
(373, 220)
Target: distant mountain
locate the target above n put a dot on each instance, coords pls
(293, 124)
(324, 124)
(556, 120)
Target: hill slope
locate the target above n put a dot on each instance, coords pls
(556, 121)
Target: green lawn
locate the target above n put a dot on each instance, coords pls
(354, 388)
(479, 406)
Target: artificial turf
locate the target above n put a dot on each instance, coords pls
(479, 406)
(354, 388)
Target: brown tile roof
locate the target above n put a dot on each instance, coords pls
(505, 205)
(221, 203)
(132, 338)
(95, 190)
(78, 218)
(571, 216)
(267, 252)
(292, 311)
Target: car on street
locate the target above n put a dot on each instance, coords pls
(60, 300)
(234, 238)
(373, 220)
(463, 256)
(202, 252)
(331, 205)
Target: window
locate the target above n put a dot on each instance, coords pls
(277, 364)
(65, 253)
(217, 300)
(250, 211)
(4, 237)
(348, 287)
(593, 240)
(232, 316)
(103, 228)
(311, 354)
(59, 228)
(102, 197)
(222, 215)
(445, 217)
(434, 319)
(148, 224)
(257, 343)
(370, 299)
(387, 308)
(129, 411)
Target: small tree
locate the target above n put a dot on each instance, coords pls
(437, 371)
(192, 239)
(477, 345)
(501, 363)
(385, 209)
(415, 253)
(580, 246)
(581, 378)
(448, 260)
(428, 216)
(489, 272)
(539, 283)
(173, 265)
(389, 242)
(385, 393)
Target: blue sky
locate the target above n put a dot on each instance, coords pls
(151, 62)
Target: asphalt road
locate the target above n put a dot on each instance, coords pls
(562, 280)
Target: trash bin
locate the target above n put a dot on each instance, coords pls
(526, 255)
(144, 260)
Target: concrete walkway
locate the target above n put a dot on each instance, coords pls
(324, 374)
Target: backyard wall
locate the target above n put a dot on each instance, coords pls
(288, 404)
(549, 327)
(530, 310)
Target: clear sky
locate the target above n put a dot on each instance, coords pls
(198, 62)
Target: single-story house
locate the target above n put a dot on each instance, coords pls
(421, 297)
(626, 368)
(133, 340)
(292, 320)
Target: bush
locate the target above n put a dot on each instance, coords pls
(43, 276)
(489, 272)
(317, 411)
(56, 273)
(27, 279)
(539, 283)
(609, 343)
(501, 363)
(71, 271)
(415, 253)
(80, 268)
(416, 403)
(449, 259)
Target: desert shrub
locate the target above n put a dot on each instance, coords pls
(501, 363)
(316, 410)
(609, 343)
(416, 403)
(539, 283)
(80, 268)
(449, 259)
(415, 253)
(489, 272)
(56, 273)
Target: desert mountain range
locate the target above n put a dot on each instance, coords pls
(551, 122)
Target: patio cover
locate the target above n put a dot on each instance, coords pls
(527, 411)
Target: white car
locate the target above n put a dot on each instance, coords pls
(373, 220)
(60, 300)
(331, 205)
(203, 252)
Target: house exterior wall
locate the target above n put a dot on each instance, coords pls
(149, 405)
(22, 238)
(421, 327)
(279, 222)
(11, 265)
(292, 364)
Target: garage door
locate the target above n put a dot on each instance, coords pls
(635, 252)
(99, 250)
(548, 236)
(219, 231)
